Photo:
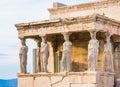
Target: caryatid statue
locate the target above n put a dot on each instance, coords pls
(107, 55)
(93, 52)
(38, 62)
(66, 54)
(23, 56)
(44, 54)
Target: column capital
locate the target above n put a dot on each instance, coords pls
(108, 34)
(23, 41)
(66, 33)
(42, 35)
(93, 31)
(21, 38)
(66, 36)
(93, 34)
(37, 42)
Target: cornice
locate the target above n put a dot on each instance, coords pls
(65, 74)
(107, 20)
(69, 21)
(55, 22)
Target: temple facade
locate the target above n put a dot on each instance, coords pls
(79, 46)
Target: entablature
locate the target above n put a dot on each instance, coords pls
(91, 22)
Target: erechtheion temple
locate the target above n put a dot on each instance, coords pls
(78, 46)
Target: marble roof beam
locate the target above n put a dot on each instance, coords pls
(95, 22)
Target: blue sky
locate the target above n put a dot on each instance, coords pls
(18, 11)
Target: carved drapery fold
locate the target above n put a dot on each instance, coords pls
(23, 56)
(107, 54)
(44, 54)
(37, 55)
(93, 52)
(66, 54)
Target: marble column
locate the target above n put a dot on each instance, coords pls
(37, 55)
(107, 54)
(44, 54)
(23, 56)
(93, 52)
(66, 53)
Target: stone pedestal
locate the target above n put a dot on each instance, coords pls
(72, 79)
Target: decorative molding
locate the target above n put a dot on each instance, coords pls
(85, 6)
(74, 24)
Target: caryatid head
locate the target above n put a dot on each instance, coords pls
(107, 35)
(44, 39)
(93, 34)
(66, 36)
(23, 41)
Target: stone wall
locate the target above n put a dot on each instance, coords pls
(101, 7)
(72, 79)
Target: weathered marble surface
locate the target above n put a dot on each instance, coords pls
(76, 24)
(108, 54)
(93, 52)
(66, 54)
(38, 61)
(44, 54)
(23, 56)
(79, 18)
(71, 79)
